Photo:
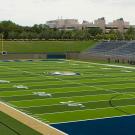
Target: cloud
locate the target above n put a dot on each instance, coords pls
(29, 12)
(115, 2)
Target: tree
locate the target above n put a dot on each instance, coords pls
(42, 31)
(95, 31)
(130, 34)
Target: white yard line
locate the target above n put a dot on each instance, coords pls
(79, 102)
(114, 92)
(67, 97)
(50, 92)
(55, 97)
(41, 89)
(101, 108)
(59, 88)
(74, 96)
(109, 65)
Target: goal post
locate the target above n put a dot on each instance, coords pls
(3, 52)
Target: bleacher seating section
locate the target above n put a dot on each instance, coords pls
(114, 48)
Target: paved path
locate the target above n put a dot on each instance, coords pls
(31, 122)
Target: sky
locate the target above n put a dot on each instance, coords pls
(30, 12)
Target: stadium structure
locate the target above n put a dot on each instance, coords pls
(115, 51)
(59, 86)
(110, 51)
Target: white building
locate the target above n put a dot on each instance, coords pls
(63, 24)
(71, 24)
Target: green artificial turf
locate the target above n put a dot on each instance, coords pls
(103, 90)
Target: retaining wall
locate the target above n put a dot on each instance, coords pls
(13, 56)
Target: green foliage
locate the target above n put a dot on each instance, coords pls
(130, 34)
(94, 31)
(43, 32)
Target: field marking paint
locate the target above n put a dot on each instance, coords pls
(82, 78)
(76, 96)
(115, 92)
(39, 89)
(63, 104)
(96, 86)
(65, 97)
(110, 65)
(53, 97)
(87, 85)
(77, 82)
(65, 87)
(42, 114)
(55, 88)
(50, 92)
(78, 102)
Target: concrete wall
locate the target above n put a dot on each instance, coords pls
(115, 59)
(23, 56)
(71, 55)
(87, 56)
(14, 56)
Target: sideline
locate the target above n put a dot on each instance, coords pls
(121, 116)
(31, 122)
(109, 65)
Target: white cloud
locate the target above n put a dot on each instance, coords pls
(29, 12)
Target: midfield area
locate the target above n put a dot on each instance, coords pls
(98, 91)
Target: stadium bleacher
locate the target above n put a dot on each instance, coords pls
(118, 51)
(114, 48)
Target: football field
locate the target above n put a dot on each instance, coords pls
(95, 91)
